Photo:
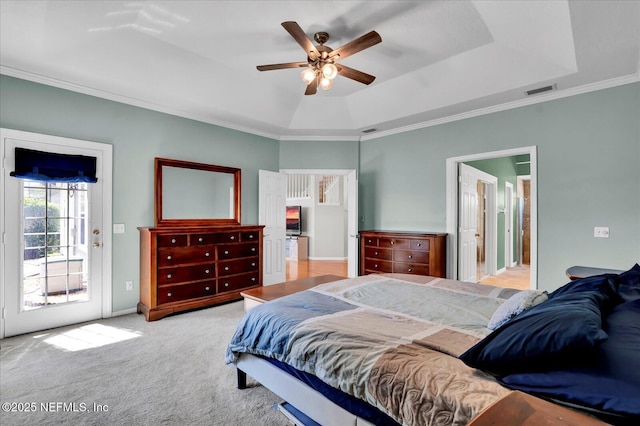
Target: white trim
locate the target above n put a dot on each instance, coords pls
(452, 206)
(124, 312)
(327, 258)
(544, 97)
(508, 237)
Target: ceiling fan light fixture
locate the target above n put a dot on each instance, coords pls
(308, 75)
(326, 84)
(329, 71)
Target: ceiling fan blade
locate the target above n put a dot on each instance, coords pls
(282, 66)
(312, 87)
(370, 39)
(303, 40)
(356, 75)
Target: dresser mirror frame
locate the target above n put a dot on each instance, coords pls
(232, 201)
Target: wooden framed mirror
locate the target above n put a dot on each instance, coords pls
(196, 194)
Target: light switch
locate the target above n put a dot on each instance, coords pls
(118, 228)
(601, 232)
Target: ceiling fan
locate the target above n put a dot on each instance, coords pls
(322, 64)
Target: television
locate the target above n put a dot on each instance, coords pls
(294, 220)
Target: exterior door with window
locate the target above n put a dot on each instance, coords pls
(53, 255)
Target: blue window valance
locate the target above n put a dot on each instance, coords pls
(50, 167)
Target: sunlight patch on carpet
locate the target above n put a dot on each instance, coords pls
(90, 336)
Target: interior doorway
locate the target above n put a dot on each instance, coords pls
(454, 226)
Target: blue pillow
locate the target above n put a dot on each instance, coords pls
(610, 384)
(552, 334)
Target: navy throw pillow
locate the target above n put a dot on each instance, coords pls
(554, 333)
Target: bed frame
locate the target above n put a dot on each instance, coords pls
(309, 401)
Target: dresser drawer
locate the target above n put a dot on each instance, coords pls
(182, 255)
(217, 238)
(180, 274)
(378, 253)
(176, 293)
(420, 245)
(412, 256)
(237, 282)
(394, 243)
(370, 241)
(230, 251)
(378, 265)
(249, 236)
(172, 240)
(232, 267)
(410, 268)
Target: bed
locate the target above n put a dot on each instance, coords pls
(416, 350)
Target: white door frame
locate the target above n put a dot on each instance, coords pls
(352, 210)
(508, 224)
(105, 174)
(452, 206)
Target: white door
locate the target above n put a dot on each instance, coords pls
(468, 224)
(352, 224)
(272, 188)
(52, 254)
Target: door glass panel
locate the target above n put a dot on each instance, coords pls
(55, 260)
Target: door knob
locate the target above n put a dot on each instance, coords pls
(96, 244)
(96, 231)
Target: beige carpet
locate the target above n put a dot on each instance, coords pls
(125, 370)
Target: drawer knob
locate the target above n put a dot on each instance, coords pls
(376, 253)
(393, 242)
(206, 271)
(410, 270)
(173, 241)
(410, 257)
(226, 252)
(253, 263)
(419, 244)
(253, 249)
(168, 257)
(251, 236)
(169, 276)
(169, 294)
(226, 268)
(232, 237)
(369, 241)
(375, 266)
(207, 254)
(200, 239)
(253, 278)
(206, 288)
(226, 284)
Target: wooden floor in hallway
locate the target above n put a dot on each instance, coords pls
(514, 277)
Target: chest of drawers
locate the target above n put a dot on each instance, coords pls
(184, 268)
(403, 252)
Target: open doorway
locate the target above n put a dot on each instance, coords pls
(455, 227)
(347, 264)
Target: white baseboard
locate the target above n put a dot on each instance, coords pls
(501, 270)
(124, 312)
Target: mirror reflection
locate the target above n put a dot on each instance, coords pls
(195, 194)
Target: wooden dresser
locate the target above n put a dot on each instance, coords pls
(403, 252)
(184, 268)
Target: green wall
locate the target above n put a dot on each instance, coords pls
(588, 151)
(137, 136)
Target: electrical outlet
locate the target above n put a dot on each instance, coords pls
(129, 285)
(118, 228)
(601, 232)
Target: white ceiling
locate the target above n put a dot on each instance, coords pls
(438, 60)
